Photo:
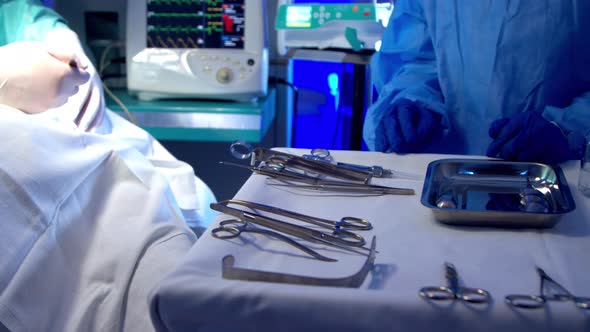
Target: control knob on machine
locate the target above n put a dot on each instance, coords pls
(224, 75)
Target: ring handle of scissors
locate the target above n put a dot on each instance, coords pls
(228, 229)
(525, 301)
(349, 238)
(321, 153)
(473, 295)
(354, 223)
(240, 149)
(439, 293)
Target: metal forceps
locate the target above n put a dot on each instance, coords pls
(280, 160)
(232, 228)
(345, 240)
(298, 180)
(538, 301)
(453, 291)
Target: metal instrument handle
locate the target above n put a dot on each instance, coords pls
(226, 232)
(241, 149)
(525, 301)
(435, 293)
(354, 223)
(474, 295)
(349, 238)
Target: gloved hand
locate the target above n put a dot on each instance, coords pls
(410, 127)
(528, 136)
(33, 79)
(87, 107)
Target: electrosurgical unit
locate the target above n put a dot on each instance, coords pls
(204, 49)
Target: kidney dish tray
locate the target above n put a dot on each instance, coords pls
(481, 192)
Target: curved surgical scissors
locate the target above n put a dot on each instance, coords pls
(538, 301)
(232, 228)
(452, 291)
(342, 239)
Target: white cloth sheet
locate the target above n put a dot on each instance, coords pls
(412, 247)
(90, 222)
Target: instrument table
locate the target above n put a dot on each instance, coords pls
(412, 249)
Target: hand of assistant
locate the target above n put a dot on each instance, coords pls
(33, 79)
(410, 127)
(528, 136)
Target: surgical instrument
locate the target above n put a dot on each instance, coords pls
(538, 301)
(282, 160)
(345, 222)
(232, 228)
(315, 183)
(453, 291)
(319, 154)
(341, 239)
(229, 271)
(376, 171)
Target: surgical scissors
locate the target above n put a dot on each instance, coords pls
(232, 228)
(336, 226)
(341, 239)
(452, 291)
(538, 301)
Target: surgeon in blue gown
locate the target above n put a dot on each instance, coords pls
(506, 78)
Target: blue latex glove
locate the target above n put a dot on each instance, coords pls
(528, 136)
(410, 128)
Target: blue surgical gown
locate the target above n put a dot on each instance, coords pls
(476, 61)
(26, 20)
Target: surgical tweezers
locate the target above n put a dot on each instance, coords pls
(339, 239)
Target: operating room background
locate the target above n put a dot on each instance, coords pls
(321, 116)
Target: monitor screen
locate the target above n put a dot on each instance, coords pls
(195, 24)
(299, 16)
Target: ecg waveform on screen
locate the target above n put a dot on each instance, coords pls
(195, 23)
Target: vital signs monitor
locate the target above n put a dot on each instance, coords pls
(204, 49)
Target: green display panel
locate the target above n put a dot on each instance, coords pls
(313, 16)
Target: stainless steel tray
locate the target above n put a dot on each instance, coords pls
(478, 192)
